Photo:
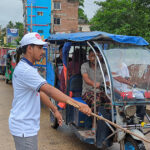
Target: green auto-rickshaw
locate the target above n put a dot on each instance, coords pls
(10, 64)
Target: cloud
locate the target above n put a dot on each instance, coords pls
(11, 10)
(90, 8)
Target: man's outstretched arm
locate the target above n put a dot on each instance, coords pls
(61, 97)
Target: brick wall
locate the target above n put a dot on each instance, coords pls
(68, 15)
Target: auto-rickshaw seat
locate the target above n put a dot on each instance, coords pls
(75, 85)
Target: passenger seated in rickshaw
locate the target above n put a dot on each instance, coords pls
(59, 66)
(122, 79)
(88, 75)
(123, 83)
(73, 68)
(62, 78)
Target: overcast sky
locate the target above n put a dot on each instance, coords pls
(10, 10)
(13, 10)
(90, 8)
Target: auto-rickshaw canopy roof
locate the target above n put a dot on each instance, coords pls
(95, 35)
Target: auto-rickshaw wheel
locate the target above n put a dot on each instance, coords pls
(53, 121)
(131, 143)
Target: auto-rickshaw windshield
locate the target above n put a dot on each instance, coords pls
(130, 68)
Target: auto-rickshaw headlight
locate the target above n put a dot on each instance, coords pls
(130, 110)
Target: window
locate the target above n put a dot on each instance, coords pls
(57, 21)
(40, 31)
(80, 28)
(57, 5)
(40, 13)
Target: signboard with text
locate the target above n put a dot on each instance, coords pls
(12, 32)
(12, 35)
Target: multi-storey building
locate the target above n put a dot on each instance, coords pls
(37, 16)
(50, 16)
(64, 16)
(83, 26)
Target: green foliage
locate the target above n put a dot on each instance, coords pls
(20, 26)
(9, 45)
(143, 2)
(17, 25)
(81, 3)
(81, 14)
(10, 24)
(129, 17)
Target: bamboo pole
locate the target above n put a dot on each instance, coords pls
(112, 123)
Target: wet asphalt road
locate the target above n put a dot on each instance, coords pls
(49, 139)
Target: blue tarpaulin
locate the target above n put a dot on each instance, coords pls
(65, 51)
(85, 36)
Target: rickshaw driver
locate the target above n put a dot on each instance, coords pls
(88, 71)
(121, 80)
(24, 119)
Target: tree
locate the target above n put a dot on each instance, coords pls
(142, 2)
(81, 3)
(21, 29)
(129, 17)
(10, 24)
(81, 15)
(17, 25)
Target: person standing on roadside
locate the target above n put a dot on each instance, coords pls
(28, 85)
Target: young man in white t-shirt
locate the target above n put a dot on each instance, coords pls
(28, 85)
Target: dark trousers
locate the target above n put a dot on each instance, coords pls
(140, 112)
(102, 129)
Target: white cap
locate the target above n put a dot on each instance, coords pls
(32, 38)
